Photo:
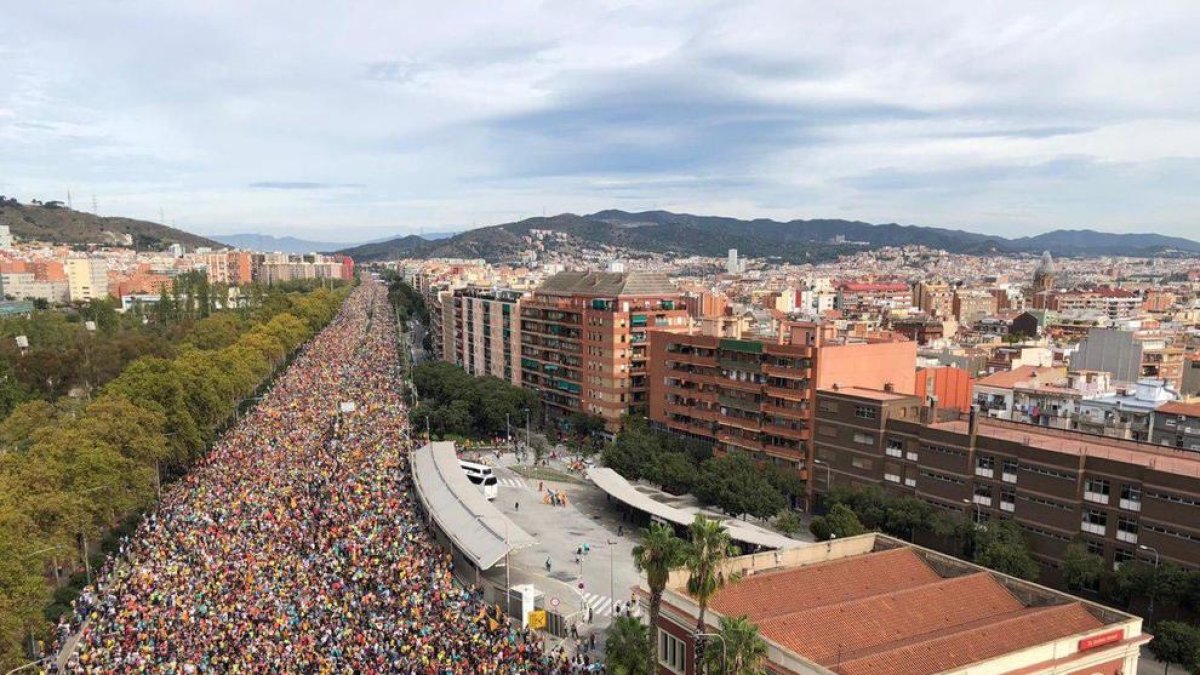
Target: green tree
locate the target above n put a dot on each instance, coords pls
(1176, 643)
(1081, 570)
(745, 651)
(735, 485)
(626, 646)
(708, 549)
(659, 553)
(840, 522)
(788, 523)
(674, 471)
(1001, 546)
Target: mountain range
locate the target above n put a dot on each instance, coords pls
(795, 241)
(266, 242)
(54, 223)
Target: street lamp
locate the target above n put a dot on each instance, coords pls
(975, 512)
(700, 668)
(612, 552)
(1154, 586)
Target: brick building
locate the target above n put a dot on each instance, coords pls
(755, 395)
(584, 340)
(487, 333)
(874, 605)
(1059, 486)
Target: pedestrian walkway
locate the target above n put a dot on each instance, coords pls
(517, 482)
(602, 605)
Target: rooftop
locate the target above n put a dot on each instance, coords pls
(863, 392)
(608, 284)
(1023, 375)
(902, 610)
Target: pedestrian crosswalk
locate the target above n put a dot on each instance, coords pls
(516, 482)
(602, 605)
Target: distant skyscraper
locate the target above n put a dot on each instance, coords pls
(732, 265)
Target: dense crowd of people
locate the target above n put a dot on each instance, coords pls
(296, 546)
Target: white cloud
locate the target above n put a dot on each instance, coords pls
(1026, 116)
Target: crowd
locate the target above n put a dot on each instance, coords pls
(296, 546)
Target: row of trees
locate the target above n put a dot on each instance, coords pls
(733, 483)
(75, 472)
(451, 401)
(631, 648)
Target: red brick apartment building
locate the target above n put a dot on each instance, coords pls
(874, 605)
(1122, 499)
(755, 396)
(585, 340)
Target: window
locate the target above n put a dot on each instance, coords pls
(1008, 499)
(1127, 530)
(1095, 548)
(1095, 490)
(1131, 498)
(983, 495)
(672, 652)
(827, 406)
(865, 439)
(866, 412)
(1122, 556)
(1094, 521)
(827, 430)
(860, 463)
(985, 466)
(895, 447)
(1008, 471)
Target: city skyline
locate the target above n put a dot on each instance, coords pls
(350, 125)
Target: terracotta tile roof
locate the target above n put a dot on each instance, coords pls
(1010, 378)
(875, 622)
(1180, 408)
(962, 647)
(766, 595)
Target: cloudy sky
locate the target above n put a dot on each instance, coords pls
(352, 120)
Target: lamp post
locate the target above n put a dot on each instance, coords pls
(700, 668)
(612, 552)
(1153, 586)
(974, 510)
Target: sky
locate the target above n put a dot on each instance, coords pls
(347, 121)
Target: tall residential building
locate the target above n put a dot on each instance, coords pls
(584, 340)
(487, 332)
(755, 395)
(233, 268)
(1045, 274)
(732, 265)
(87, 278)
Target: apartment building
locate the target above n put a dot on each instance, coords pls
(233, 268)
(1177, 424)
(755, 395)
(487, 333)
(1058, 486)
(584, 340)
(87, 278)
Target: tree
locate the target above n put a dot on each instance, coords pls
(788, 523)
(658, 554)
(840, 522)
(735, 485)
(1081, 570)
(626, 647)
(1001, 546)
(674, 472)
(709, 548)
(1176, 643)
(744, 649)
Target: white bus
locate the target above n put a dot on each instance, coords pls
(481, 475)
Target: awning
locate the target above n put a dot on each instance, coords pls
(617, 487)
(479, 530)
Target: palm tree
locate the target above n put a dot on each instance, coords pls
(625, 648)
(659, 553)
(709, 548)
(744, 649)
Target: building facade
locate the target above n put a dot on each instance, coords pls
(487, 333)
(1058, 486)
(87, 278)
(585, 341)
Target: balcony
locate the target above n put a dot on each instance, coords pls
(739, 403)
(1093, 528)
(789, 394)
(1127, 537)
(745, 423)
(800, 413)
(741, 442)
(790, 372)
(741, 385)
(1096, 497)
(795, 433)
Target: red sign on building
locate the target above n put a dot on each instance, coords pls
(1102, 639)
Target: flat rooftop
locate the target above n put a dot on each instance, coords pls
(891, 612)
(862, 392)
(1181, 462)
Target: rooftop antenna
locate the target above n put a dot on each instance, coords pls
(95, 209)
(68, 198)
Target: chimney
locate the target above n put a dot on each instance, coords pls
(972, 426)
